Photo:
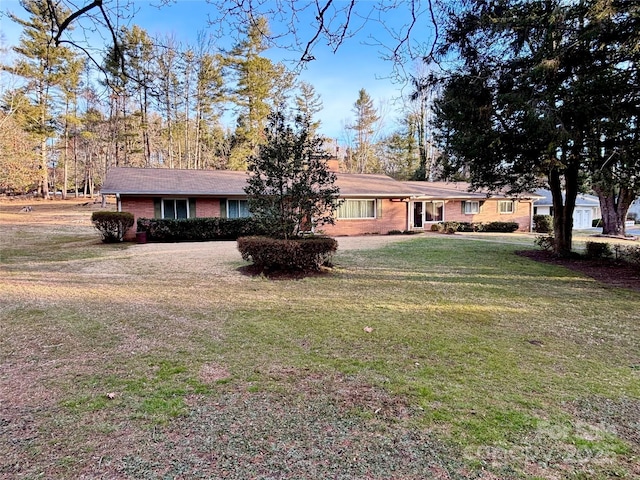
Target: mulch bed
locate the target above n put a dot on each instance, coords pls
(255, 271)
(608, 272)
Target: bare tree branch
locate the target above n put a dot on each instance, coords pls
(306, 55)
(66, 23)
(301, 25)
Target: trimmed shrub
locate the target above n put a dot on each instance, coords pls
(394, 232)
(436, 227)
(305, 254)
(112, 225)
(542, 223)
(451, 227)
(545, 242)
(201, 229)
(498, 227)
(598, 250)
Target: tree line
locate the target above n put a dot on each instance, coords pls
(67, 122)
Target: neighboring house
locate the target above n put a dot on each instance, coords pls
(372, 204)
(587, 208)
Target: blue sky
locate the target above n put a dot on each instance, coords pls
(336, 77)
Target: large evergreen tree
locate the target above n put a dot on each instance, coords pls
(258, 81)
(308, 104)
(529, 100)
(18, 162)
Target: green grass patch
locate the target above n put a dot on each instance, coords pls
(155, 393)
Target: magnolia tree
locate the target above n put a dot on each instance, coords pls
(290, 187)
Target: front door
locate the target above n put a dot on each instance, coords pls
(417, 215)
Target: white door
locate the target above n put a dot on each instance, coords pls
(581, 218)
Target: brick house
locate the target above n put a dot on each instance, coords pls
(453, 202)
(372, 204)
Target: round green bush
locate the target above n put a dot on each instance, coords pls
(112, 225)
(299, 254)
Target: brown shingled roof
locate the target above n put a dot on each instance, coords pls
(363, 185)
(165, 181)
(457, 191)
(226, 183)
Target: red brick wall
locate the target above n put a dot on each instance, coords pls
(140, 207)
(208, 207)
(489, 213)
(394, 217)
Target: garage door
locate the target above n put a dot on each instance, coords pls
(582, 218)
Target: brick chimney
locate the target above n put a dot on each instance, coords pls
(333, 164)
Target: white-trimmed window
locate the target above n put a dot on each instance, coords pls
(433, 211)
(354, 209)
(471, 207)
(505, 206)
(175, 208)
(237, 209)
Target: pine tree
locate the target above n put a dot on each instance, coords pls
(19, 170)
(260, 86)
(364, 160)
(209, 100)
(42, 65)
(308, 104)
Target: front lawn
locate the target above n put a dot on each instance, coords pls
(432, 357)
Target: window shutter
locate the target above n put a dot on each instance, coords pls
(192, 208)
(157, 208)
(515, 206)
(223, 208)
(379, 208)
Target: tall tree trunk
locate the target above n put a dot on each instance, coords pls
(614, 208)
(187, 95)
(65, 175)
(563, 210)
(75, 163)
(44, 167)
(147, 141)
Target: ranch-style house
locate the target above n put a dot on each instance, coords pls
(373, 204)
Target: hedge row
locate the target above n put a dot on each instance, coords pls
(490, 227)
(200, 229)
(306, 254)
